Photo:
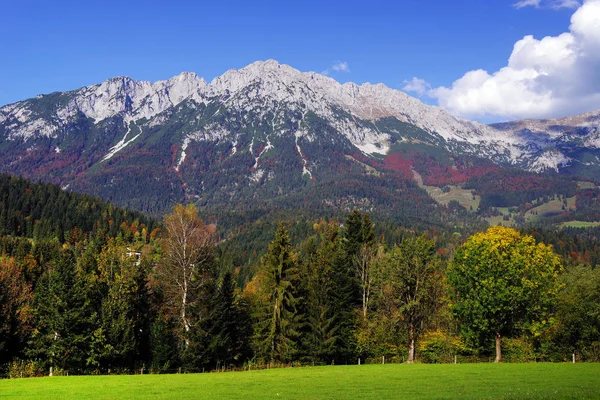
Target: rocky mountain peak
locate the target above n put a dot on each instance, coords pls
(271, 88)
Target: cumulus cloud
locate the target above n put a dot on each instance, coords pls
(554, 76)
(338, 66)
(416, 85)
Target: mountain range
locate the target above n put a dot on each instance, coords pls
(270, 135)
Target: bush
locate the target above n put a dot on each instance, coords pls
(25, 369)
(517, 350)
(438, 347)
(591, 352)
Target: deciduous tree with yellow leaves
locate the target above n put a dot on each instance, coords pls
(503, 284)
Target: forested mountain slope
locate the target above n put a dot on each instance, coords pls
(269, 136)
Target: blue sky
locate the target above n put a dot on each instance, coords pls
(57, 46)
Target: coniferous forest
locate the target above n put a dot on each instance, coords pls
(88, 288)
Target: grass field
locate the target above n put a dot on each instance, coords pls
(579, 224)
(464, 197)
(553, 207)
(370, 170)
(586, 185)
(466, 381)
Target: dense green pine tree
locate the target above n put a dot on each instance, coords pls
(123, 334)
(230, 328)
(65, 318)
(163, 349)
(326, 332)
(275, 312)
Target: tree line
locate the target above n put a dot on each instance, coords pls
(107, 303)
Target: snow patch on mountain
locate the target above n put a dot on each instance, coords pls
(268, 88)
(257, 175)
(122, 143)
(186, 143)
(268, 147)
(209, 133)
(550, 159)
(593, 140)
(305, 170)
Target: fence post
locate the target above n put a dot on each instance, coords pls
(383, 360)
(573, 358)
(50, 371)
(455, 359)
(359, 361)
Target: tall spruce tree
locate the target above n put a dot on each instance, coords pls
(123, 334)
(230, 330)
(321, 339)
(65, 317)
(163, 345)
(277, 320)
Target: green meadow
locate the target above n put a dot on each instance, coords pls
(465, 381)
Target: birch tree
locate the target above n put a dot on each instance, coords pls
(187, 263)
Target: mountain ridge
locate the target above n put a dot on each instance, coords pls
(370, 102)
(262, 132)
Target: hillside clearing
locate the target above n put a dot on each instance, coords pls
(553, 207)
(464, 197)
(579, 224)
(515, 381)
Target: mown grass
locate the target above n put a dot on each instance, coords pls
(466, 381)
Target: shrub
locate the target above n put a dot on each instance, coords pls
(439, 347)
(517, 350)
(25, 369)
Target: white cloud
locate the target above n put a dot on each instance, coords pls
(338, 66)
(416, 85)
(527, 3)
(555, 4)
(565, 4)
(554, 76)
